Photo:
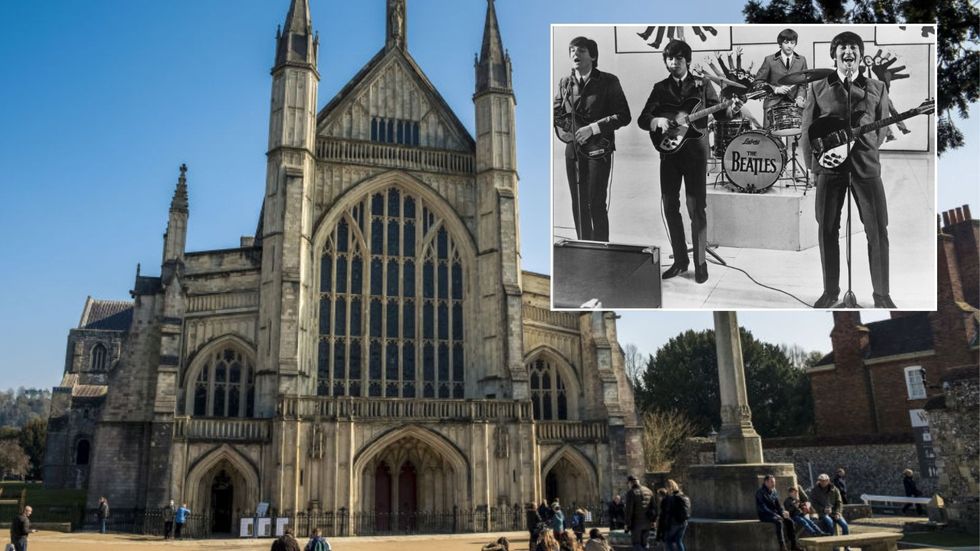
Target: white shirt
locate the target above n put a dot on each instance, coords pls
(585, 78)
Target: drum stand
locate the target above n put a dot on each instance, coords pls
(794, 164)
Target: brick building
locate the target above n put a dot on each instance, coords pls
(879, 375)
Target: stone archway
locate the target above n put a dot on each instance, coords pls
(570, 476)
(224, 484)
(408, 471)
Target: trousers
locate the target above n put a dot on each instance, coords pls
(688, 165)
(588, 182)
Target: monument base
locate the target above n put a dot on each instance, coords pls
(727, 492)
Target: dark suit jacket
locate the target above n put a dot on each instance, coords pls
(828, 97)
(772, 70)
(665, 93)
(601, 101)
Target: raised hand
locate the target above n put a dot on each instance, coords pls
(881, 65)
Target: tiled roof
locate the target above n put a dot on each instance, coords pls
(892, 337)
(89, 391)
(111, 315)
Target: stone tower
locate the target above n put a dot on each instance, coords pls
(497, 228)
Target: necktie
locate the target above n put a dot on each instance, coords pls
(786, 62)
(581, 83)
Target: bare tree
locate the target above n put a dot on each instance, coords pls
(634, 365)
(664, 432)
(13, 460)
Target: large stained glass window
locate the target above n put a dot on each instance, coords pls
(391, 303)
(549, 397)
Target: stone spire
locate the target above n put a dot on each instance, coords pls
(493, 66)
(175, 239)
(295, 42)
(395, 37)
(179, 201)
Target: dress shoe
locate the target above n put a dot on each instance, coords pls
(883, 301)
(828, 299)
(675, 270)
(701, 273)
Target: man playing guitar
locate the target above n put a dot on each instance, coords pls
(778, 65)
(589, 107)
(689, 162)
(828, 97)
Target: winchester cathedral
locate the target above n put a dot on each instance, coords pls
(375, 346)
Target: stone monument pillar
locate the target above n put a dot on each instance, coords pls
(723, 494)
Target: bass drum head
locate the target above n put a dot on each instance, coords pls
(754, 160)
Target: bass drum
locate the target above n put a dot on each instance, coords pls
(754, 160)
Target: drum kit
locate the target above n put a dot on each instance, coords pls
(753, 160)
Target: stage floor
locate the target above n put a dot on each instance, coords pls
(635, 217)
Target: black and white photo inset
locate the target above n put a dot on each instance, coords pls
(743, 167)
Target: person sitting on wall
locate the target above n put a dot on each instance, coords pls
(827, 504)
(770, 510)
(798, 506)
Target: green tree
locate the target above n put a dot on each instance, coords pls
(958, 25)
(32, 439)
(683, 376)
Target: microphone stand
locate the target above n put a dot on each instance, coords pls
(849, 300)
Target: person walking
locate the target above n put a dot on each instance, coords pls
(20, 529)
(103, 514)
(180, 518)
(578, 524)
(675, 510)
(168, 520)
(637, 524)
(317, 542)
(911, 490)
(557, 521)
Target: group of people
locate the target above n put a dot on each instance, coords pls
(551, 530)
(590, 106)
(825, 500)
(663, 513)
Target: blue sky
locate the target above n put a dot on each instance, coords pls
(102, 101)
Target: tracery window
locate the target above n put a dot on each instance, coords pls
(391, 302)
(99, 357)
(225, 385)
(395, 131)
(549, 396)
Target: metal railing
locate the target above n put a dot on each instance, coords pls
(150, 522)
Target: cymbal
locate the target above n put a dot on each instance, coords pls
(722, 80)
(803, 77)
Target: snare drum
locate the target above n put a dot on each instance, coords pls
(725, 132)
(754, 160)
(785, 119)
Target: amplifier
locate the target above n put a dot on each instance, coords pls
(592, 274)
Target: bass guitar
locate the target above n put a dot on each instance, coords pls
(831, 137)
(682, 117)
(596, 147)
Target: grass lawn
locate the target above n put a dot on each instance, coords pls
(943, 539)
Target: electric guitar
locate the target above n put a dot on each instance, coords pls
(681, 117)
(831, 136)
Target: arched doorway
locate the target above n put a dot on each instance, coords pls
(408, 496)
(222, 503)
(570, 477)
(382, 497)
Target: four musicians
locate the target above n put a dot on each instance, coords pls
(590, 106)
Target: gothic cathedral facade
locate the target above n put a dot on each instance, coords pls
(374, 347)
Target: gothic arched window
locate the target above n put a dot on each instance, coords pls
(100, 357)
(225, 385)
(549, 397)
(391, 302)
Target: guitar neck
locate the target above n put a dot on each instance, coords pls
(871, 127)
(701, 113)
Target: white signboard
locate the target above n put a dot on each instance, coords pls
(265, 528)
(918, 418)
(281, 523)
(247, 529)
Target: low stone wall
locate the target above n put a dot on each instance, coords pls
(954, 423)
(874, 463)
